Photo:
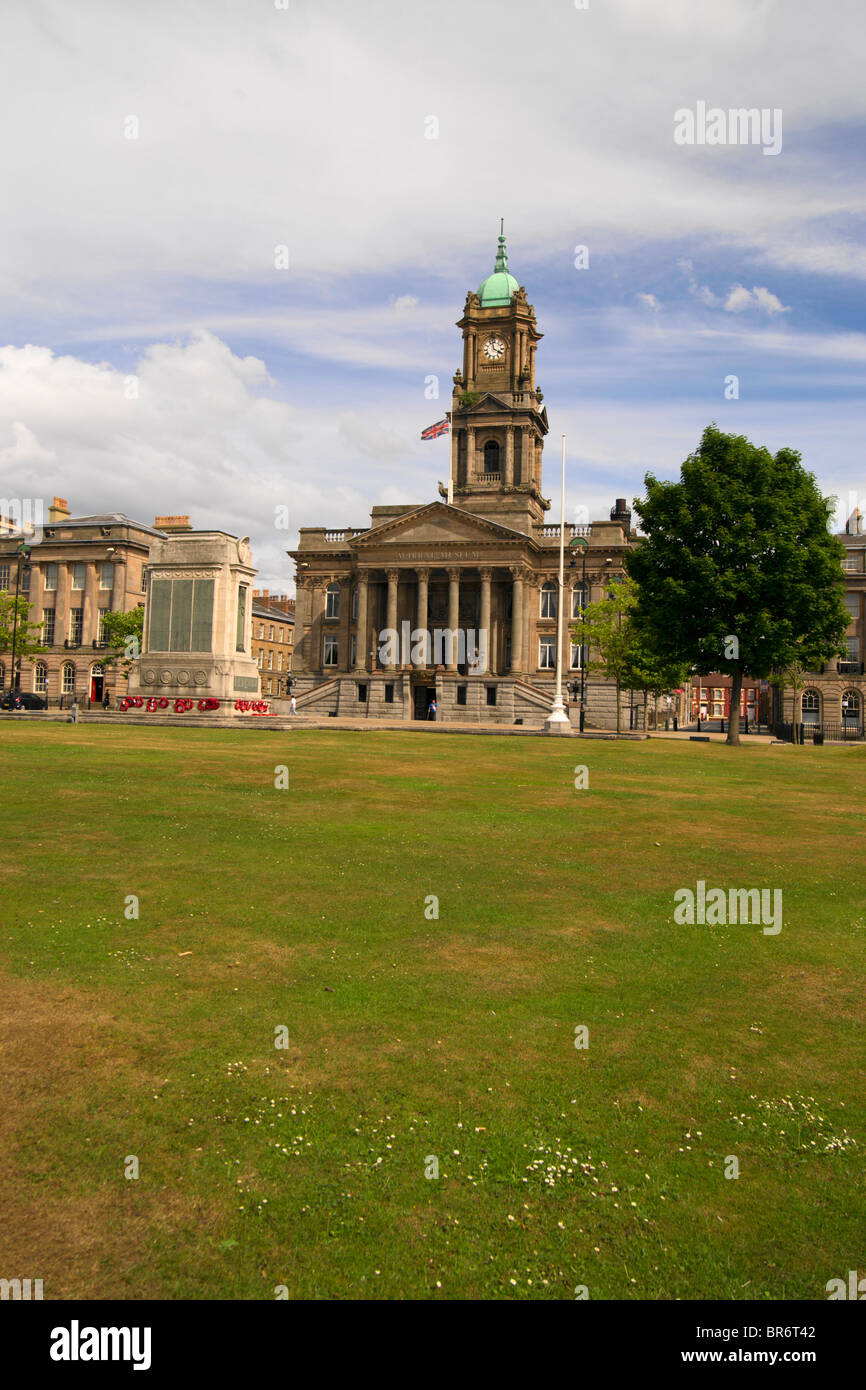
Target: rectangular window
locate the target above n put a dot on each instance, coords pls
(491, 694)
(332, 602)
(330, 651)
(271, 633)
(850, 564)
(261, 632)
(4, 576)
(362, 693)
(853, 648)
(78, 576)
(260, 658)
(270, 688)
(67, 684)
(852, 604)
(461, 694)
(577, 658)
(548, 601)
(101, 635)
(547, 653)
(50, 577)
(270, 661)
(279, 661)
(106, 576)
(47, 627)
(354, 656)
(577, 600)
(76, 625)
(389, 694)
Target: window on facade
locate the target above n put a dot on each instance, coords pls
(355, 604)
(50, 577)
(578, 600)
(4, 576)
(547, 653)
(491, 694)
(102, 635)
(362, 693)
(271, 633)
(461, 694)
(852, 604)
(40, 678)
(106, 576)
(851, 708)
(330, 651)
(270, 690)
(811, 706)
(577, 656)
(67, 679)
(78, 572)
(548, 600)
(389, 694)
(270, 661)
(260, 658)
(76, 625)
(279, 661)
(181, 615)
(332, 601)
(491, 456)
(261, 632)
(354, 651)
(47, 627)
(850, 563)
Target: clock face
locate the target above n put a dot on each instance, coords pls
(494, 349)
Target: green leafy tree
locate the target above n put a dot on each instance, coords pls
(27, 635)
(649, 671)
(123, 632)
(605, 629)
(738, 571)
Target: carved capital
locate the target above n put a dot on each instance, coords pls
(423, 574)
(392, 576)
(454, 572)
(486, 573)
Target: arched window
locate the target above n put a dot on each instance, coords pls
(491, 456)
(67, 679)
(548, 599)
(332, 601)
(40, 678)
(851, 709)
(811, 707)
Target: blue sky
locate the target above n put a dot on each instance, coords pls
(256, 127)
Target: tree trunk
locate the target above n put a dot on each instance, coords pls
(645, 700)
(734, 720)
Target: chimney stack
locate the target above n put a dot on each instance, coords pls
(59, 510)
(171, 524)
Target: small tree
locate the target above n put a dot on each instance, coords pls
(604, 628)
(738, 571)
(649, 671)
(793, 678)
(123, 632)
(27, 635)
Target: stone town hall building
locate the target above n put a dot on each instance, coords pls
(486, 563)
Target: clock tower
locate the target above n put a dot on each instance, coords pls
(497, 418)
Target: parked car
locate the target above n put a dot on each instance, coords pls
(21, 699)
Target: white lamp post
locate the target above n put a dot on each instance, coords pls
(557, 722)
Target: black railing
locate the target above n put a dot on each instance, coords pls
(818, 733)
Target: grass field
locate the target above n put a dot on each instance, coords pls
(411, 1037)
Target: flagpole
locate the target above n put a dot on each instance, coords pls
(451, 454)
(557, 722)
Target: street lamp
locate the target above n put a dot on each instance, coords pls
(580, 543)
(23, 555)
(557, 722)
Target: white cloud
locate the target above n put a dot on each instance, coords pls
(649, 300)
(739, 298)
(405, 302)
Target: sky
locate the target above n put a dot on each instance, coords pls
(238, 234)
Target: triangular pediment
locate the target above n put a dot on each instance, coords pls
(436, 524)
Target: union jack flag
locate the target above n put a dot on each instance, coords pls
(434, 431)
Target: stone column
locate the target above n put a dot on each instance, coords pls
(517, 621)
(421, 609)
(61, 604)
(484, 634)
(317, 645)
(361, 643)
(470, 454)
(89, 621)
(509, 456)
(453, 615)
(391, 616)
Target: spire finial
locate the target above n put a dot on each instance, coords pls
(501, 257)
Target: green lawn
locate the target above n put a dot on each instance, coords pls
(411, 1037)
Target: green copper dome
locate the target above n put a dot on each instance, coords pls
(497, 289)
